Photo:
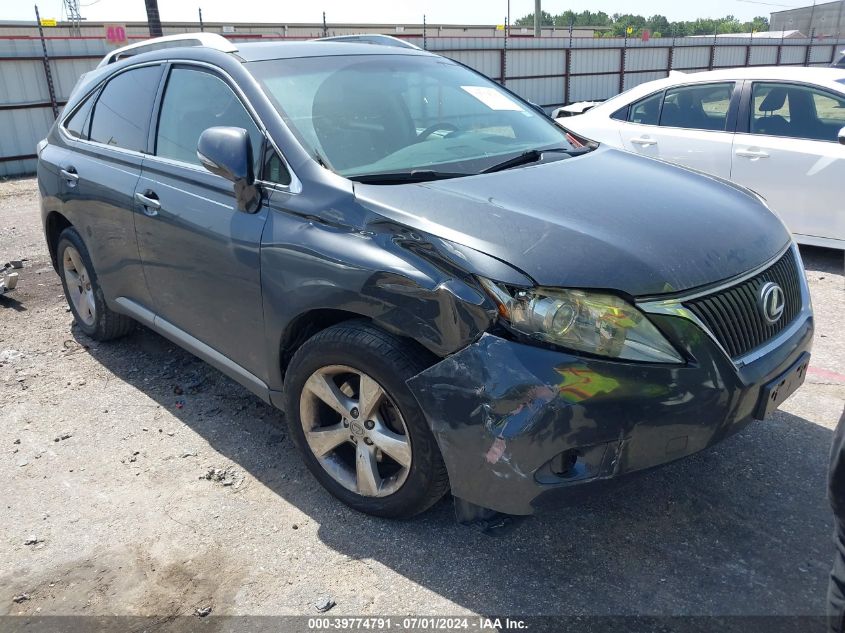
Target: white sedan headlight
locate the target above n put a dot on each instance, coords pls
(590, 322)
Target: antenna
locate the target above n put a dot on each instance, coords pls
(73, 15)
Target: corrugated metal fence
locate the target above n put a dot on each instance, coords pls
(549, 71)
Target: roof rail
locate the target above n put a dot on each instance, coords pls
(370, 38)
(208, 40)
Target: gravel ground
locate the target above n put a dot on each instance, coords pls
(107, 449)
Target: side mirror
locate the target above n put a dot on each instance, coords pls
(842, 136)
(227, 152)
(539, 109)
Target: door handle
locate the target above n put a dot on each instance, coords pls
(752, 153)
(149, 201)
(644, 141)
(70, 176)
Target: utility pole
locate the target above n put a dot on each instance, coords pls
(325, 28)
(46, 61)
(425, 43)
(73, 16)
(153, 18)
(202, 26)
(538, 12)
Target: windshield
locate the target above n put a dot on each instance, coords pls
(378, 114)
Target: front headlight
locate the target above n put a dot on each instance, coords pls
(584, 321)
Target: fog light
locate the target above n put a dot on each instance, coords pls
(564, 464)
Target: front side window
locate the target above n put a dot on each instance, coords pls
(195, 100)
(378, 114)
(697, 107)
(796, 111)
(122, 113)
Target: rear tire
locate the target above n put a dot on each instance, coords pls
(353, 365)
(83, 292)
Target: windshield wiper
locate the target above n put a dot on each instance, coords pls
(532, 156)
(415, 175)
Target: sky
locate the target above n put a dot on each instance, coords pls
(386, 11)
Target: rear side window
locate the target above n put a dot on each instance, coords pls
(77, 124)
(697, 107)
(194, 101)
(646, 111)
(122, 113)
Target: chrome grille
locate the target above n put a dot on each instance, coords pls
(733, 315)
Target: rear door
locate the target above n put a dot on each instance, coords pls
(107, 138)
(787, 150)
(690, 125)
(200, 254)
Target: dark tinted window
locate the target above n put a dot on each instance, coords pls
(122, 112)
(797, 112)
(646, 111)
(194, 101)
(697, 107)
(274, 168)
(77, 124)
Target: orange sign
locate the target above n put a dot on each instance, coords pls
(116, 34)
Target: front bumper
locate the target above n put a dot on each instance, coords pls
(520, 426)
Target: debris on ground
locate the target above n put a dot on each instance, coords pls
(62, 436)
(225, 476)
(21, 597)
(9, 280)
(323, 604)
(201, 612)
(8, 355)
(33, 540)
(188, 453)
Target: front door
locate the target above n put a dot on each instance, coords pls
(790, 154)
(200, 253)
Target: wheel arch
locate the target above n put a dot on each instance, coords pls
(54, 224)
(309, 323)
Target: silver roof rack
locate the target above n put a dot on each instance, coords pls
(370, 38)
(208, 40)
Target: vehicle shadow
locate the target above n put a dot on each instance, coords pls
(743, 528)
(827, 260)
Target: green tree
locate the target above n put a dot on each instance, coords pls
(546, 19)
(656, 24)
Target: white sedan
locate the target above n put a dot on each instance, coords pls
(779, 131)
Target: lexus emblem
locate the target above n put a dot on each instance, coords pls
(771, 301)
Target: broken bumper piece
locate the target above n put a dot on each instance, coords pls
(521, 426)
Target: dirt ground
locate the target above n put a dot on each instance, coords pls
(109, 508)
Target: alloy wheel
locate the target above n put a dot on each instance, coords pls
(355, 431)
(79, 289)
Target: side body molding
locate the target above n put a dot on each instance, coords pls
(195, 346)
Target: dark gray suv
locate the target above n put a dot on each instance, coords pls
(437, 285)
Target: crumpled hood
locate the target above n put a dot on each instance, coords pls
(607, 219)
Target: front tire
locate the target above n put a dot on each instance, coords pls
(357, 425)
(83, 292)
